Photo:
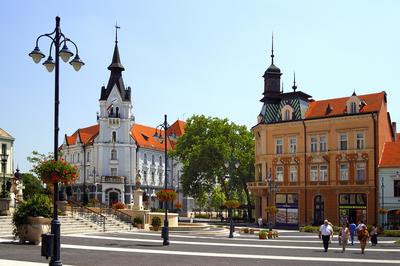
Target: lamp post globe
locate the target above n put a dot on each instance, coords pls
(57, 38)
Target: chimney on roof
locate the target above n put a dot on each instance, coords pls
(394, 130)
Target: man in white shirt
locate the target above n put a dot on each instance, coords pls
(325, 231)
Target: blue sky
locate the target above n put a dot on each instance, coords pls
(191, 57)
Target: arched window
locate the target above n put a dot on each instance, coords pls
(117, 111)
(114, 136)
(145, 158)
(287, 113)
(78, 157)
(88, 157)
(113, 154)
(152, 159)
(160, 160)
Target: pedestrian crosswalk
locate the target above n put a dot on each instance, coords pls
(291, 248)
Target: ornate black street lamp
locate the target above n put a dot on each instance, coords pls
(167, 136)
(4, 158)
(57, 39)
(229, 166)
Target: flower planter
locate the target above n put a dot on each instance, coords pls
(261, 237)
(33, 229)
(155, 228)
(5, 206)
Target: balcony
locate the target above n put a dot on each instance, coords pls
(256, 185)
(113, 179)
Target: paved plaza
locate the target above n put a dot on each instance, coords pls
(145, 248)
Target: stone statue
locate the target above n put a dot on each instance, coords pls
(138, 180)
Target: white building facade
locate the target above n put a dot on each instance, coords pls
(115, 153)
(7, 147)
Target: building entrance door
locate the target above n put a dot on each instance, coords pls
(318, 210)
(112, 198)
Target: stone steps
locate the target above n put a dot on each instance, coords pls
(6, 226)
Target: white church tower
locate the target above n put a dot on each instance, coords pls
(116, 155)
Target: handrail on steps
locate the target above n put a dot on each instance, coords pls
(88, 213)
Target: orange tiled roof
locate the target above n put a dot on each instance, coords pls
(390, 155)
(143, 135)
(319, 108)
(86, 135)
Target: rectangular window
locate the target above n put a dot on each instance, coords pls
(360, 140)
(323, 172)
(293, 173)
(145, 176)
(279, 173)
(343, 141)
(3, 148)
(314, 172)
(279, 146)
(396, 187)
(293, 145)
(113, 171)
(360, 170)
(344, 171)
(322, 143)
(313, 142)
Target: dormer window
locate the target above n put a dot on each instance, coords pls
(287, 113)
(353, 104)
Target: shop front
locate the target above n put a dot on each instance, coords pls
(288, 210)
(352, 207)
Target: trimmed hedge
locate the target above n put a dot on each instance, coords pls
(315, 229)
(391, 233)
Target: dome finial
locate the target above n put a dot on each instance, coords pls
(294, 87)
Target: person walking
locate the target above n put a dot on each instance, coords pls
(363, 236)
(374, 235)
(344, 234)
(352, 229)
(325, 231)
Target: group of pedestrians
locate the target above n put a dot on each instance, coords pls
(347, 232)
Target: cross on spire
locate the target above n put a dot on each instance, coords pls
(116, 32)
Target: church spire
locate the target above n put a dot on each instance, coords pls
(116, 69)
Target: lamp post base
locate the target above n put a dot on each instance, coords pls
(165, 234)
(55, 229)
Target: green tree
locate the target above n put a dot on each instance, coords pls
(217, 198)
(32, 185)
(208, 143)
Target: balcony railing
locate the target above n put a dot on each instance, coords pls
(113, 179)
(258, 184)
